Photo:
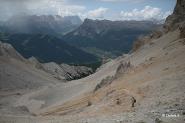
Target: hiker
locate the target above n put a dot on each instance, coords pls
(118, 101)
(133, 101)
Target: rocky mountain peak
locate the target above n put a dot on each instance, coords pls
(177, 18)
(74, 19)
(41, 24)
(87, 20)
(180, 8)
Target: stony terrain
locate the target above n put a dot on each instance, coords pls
(19, 76)
(62, 72)
(145, 86)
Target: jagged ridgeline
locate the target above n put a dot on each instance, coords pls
(108, 39)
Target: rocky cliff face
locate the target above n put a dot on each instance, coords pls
(66, 72)
(63, 71)
(180, 8)
(177, 18)
(175, 21)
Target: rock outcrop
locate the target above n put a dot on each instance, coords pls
(35, 63)
(63, 71)
(104, 82)
(140, 42)
(182, 31)
(76, 72)
(8, 51)
(177, 18)
(122, 69)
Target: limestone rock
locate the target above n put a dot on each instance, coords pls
(8, 51)
(178, 16)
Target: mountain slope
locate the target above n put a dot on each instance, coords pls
(155, 79)
(47, 48)
(63, 72)
(19, 76)
(157, 70)
(145, 86)
(109, 38)
(17, 73)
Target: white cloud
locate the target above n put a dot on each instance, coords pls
(68, 10)
(48, 7)
(60, 7)
(133, 1)
(145, 14)
(97, 13)
(38, 7)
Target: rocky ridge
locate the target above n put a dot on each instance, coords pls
(118, 36)
(8, 51)
(63, 71)
(16, 72)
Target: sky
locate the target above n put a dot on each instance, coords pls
(93, 9)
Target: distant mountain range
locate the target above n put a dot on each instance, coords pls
(44, 24)
(108, 38)
(68, 40)
(37, 36)
(47, 48)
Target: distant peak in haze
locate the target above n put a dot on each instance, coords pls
(73, 19)
(41, 24)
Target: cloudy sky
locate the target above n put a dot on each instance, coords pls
(94, 9)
